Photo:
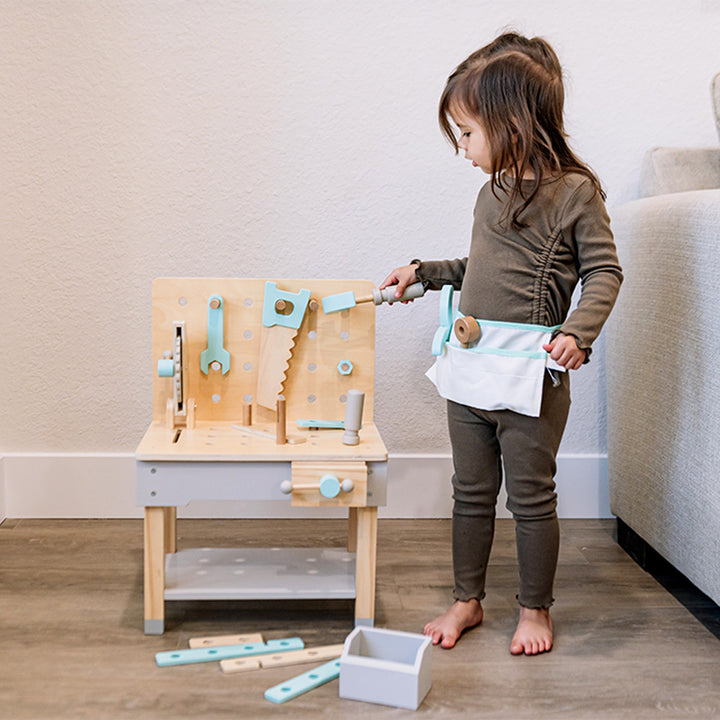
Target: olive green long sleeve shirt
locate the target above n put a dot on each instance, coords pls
(528, 274)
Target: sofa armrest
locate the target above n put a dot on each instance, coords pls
(672, 170)
(663, 343)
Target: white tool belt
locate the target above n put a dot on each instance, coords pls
(503, 370)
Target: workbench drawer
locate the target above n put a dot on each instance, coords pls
(328, 484)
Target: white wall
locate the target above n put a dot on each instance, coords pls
(271, 138)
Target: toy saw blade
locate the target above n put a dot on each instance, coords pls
(277, 340)
(276, 346)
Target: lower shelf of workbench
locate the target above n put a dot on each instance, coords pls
(259, 574)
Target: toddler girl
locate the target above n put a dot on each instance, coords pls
(540, 226)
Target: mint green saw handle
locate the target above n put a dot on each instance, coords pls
(215, 351)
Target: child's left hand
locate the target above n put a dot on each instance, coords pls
(564, 351)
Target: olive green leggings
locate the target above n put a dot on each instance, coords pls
(484, 444)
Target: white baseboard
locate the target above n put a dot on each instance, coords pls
(38, 485)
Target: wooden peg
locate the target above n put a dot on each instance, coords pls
(247, 415)
(280, 433)
(214, 303)
(190, 418)
(467, 330)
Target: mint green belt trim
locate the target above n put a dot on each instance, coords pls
(512, 325)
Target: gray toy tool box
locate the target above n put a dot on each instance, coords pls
(388, 667)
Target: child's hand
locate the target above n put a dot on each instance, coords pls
(401, 277)
(564, 351)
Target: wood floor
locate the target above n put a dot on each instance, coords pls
(72, 646)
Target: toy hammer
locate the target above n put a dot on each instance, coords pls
(347, 300)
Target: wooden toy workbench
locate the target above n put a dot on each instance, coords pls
(251, 398)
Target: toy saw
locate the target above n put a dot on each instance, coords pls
(283, 314)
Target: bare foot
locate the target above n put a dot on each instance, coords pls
(534, 632)
(447, 628)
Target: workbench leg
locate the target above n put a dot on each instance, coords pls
(352, 529)
(170, 529)
(154, 570)
(366, 556)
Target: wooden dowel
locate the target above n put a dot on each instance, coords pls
(280, 433)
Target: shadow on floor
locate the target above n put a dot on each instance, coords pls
(700, 605)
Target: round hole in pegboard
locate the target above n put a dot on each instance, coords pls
(312, 335)
(248, 398)
(248, 302)
(247, 366)
(344, 335)
(311, 399)
(215, 398)
(183, 301)
(248, 335)
(312, 367)
(343, 398)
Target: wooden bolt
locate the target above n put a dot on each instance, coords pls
(214, 303)
(280, 306)
(467, 330)
(314, 305)
(353, 416)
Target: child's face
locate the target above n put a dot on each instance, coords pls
(473, 141)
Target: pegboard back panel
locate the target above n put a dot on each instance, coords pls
(312, 385)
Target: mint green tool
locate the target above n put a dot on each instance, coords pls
(215, 351)
(298, 302)
(347, 300)
(225, 652)
(303, 683)
(321, 424)
(442, 334)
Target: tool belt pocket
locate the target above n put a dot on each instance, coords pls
(503, 369)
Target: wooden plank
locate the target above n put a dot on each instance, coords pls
(170, 658)
(154, 564)
(170, 529)
(352, 530)
(218, 640)
(220, 441)
(303, 683)
(365, 568)
(293, 657)
(313, 388)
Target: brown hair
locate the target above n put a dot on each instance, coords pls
(513, 87)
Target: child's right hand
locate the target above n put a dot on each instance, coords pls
(401, 277)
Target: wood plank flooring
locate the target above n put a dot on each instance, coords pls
(72, 646)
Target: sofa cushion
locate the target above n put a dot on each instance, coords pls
(672, 170)
(716, 100)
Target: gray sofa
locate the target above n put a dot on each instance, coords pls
(663, 362)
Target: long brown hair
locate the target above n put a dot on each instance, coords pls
(513, 87)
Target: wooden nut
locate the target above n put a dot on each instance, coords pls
(467, 330)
